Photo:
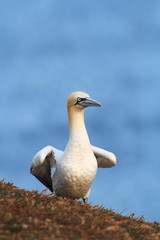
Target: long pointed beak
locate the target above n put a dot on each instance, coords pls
(88, 102)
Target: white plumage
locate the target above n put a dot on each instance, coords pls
(76, 167)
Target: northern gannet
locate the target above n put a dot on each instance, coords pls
(76, 167)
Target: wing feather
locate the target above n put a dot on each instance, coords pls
(104, 158)
(42, 164)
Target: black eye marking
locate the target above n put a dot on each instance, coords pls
(79, 99)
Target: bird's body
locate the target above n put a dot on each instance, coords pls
(76, 167)
(75, 172)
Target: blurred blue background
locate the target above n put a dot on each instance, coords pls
(109, 49)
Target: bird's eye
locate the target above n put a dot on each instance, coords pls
(79, 99)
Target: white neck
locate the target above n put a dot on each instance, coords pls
(77, 127)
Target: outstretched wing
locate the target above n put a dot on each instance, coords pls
(104, 158)
(42, 164)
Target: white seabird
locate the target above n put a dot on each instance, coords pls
(76, 167)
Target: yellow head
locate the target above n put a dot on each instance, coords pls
(81, 100)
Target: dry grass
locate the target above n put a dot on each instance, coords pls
(32, 216)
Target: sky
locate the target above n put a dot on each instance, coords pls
(110, 50)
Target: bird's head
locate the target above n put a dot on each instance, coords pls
(81, 100)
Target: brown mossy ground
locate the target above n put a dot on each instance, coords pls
(33, 216)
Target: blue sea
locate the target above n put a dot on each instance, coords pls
(109, 49)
